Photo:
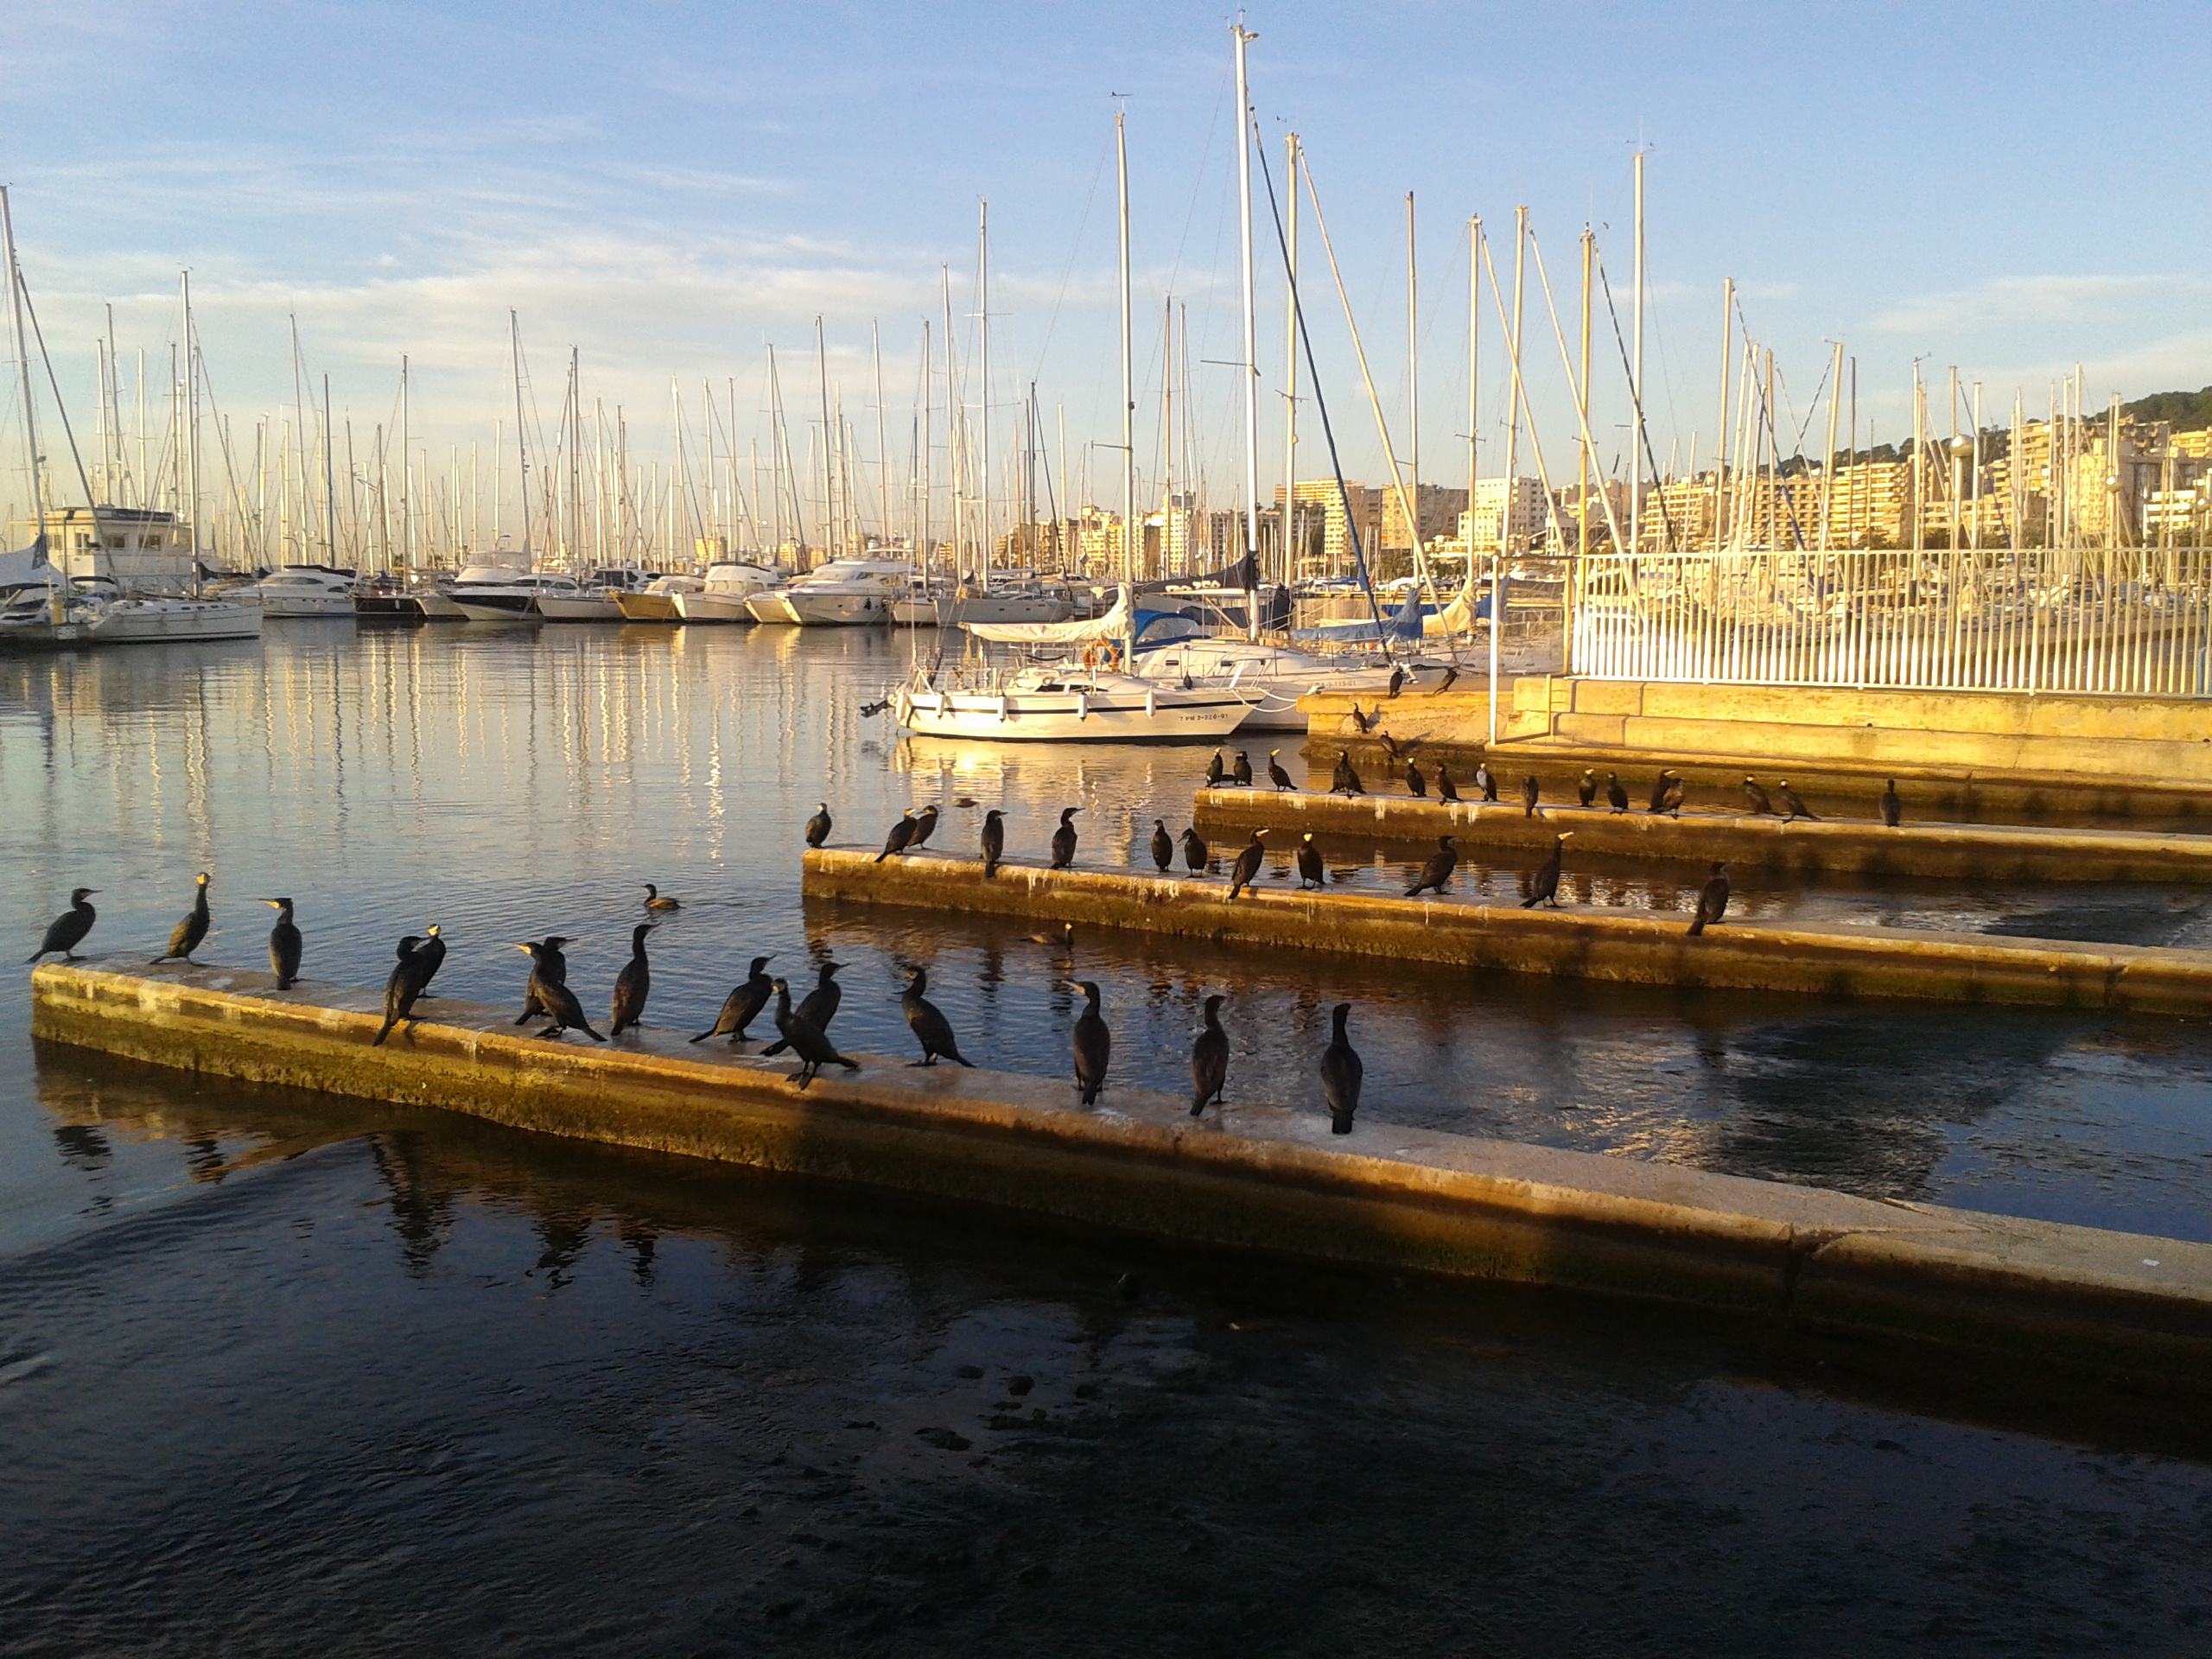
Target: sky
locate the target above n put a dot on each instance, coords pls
(668, 189)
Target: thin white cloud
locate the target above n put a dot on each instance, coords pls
(2021, 302)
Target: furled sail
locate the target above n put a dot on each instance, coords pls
(1115, 625)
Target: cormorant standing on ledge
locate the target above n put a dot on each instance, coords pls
(67, 931)
(1397, 682)
(993, 841)
(1276, 775)
(1195, 852)
(743, 1005)
(1345, 779)
(1246, 870)
(1545, 889)
(1892, 808)
(1341, 1072)
(553, 998)
(902, 834)
(819, 826)
(1446, 789)
(1793, 804)
(1208, 1059)
(1310, 870)
(805, 1038)
(185, 939)
(1616, 795)
(1416, 786)
(1163, 846)
(1486, 779)
(431, 953)
(1064, 838)
(1216, 777)
(283, 945)
(633, 985)
(1667, 792)
(657, 905)
(547, 964)
(818, 1008)
(1713, 902)
(1586, 788)
(1755, 797)
(923, 826)
(401, 989)
(1093, 1045)
(930, 1028)
(1438, 870)
(1241, 772)
(1531, 792)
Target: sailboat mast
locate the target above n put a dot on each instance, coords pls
(983, 397)
(828, 443)
(1129, 395)
(522, 440)
(192, 423)
(30, 411)
(1245, 139)
(329, 472)
(1286, 571)
(406, 473)
(1636, 469)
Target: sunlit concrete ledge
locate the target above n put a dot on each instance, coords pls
(1258, 1176)
(1580, 941)
(1983, 851)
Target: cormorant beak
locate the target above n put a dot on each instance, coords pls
(517, 947)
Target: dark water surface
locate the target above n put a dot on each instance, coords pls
(280, 1371)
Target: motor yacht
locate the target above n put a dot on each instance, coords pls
(844, 592)
(301, 591)
(656, 601)
(1068, 704)
(596, 599)
(497, 592)
(723, 592)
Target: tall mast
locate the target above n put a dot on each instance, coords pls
(1287, 570)
(1720, 430)
(1474, 387)
(1129, 395)
(406, 473)
(1413, 384)
(983, 397)
(23, 365)
(522, 440)
(1635, 470)
(1582, 399)
(1245, 138)
(329, 472)
(192, 424)
(829, 444)
(1512, 461)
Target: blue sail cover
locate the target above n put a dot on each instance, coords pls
(1405, 622)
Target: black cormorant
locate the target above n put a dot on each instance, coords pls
(1485, 780)
(546, 963)
(1713, 901)
(1545, 889)
(1345, 779)
(1246, 870)
(1892, 808)
(67, 931)
(657, 904)
(1616, 795)
(633, 985)
(1450, 673)
(1341, 1072)
(1446, 789)
(819, 1006)
(1586, 787)
(743, 1005)
(1397, 681)
(1064, 940)
(1438, 870)
(283, 945)
(1312, 872)
(431, 953)
(186, 937)
(1215, 774)
(1195, 852)
(400, 990)
(1531, 792)
(1755, 797)
(1064, 838)
(819, 826)
(1241, 773)
(1365, 722)
(804, 1038)
(553, 998)
(1667, 792)
(1416, 786)
(1208, 1059)
(1276, 775)
(902, 834)
(923, 826)
(1093, 1045)
(1163, 846)
(992, 841)
(930, 1028)
(1793, 804)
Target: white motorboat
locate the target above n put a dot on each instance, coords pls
(1058, 703)
(96, 612)
(723, 594)
(656, 601)
(494, 593)
(845, 593)
(302, 590)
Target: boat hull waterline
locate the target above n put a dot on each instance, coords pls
(1117, 717)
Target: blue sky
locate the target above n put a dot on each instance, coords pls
(669, 187)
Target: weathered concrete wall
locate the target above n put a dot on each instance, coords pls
(1254, 1176)
(1988, 852)
(1830, 959)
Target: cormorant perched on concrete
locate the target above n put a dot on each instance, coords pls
(1416, 786)
(1586, 788)
(1667, 792)
(1195, 851)
(401, 989)
(633, 985)
(743, 1005)
(1208, 1059)
(901, 836)
(1241, 773)
(930, 1028)
(1163, 846)
(1616, 795)
(923, 826)
(819, 826)
(431, 953)
(1276, 775)
(1064, 838)
(283, 945)
(1713, 902)
(819, 1006)
(547, 964)
(657, 904)
(1397, 681)
(1438, 870)
(1246, 870)
(67, 931)
(185, 939)
(1892, 808)
(993, 841)
(1341, 1072)
(1364, 722)
(1545, 889)
(1345, 779)
(804, 1038)
(1093, 1045)
(1485, 780)
(1216, 775)
(1312, 872)
(1793, 804)
(1755, 797)
(553, 998)
(1531, 792)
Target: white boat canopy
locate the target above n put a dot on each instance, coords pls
(1115, 625)
(27, 565)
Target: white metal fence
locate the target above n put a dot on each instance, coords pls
(2133, 620)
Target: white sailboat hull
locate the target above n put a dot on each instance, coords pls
(828, 610)
(335, 603)
(1124, 712)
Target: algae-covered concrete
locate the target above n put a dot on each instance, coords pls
(1255, 1176)
(1586, 942)
(1984, 851)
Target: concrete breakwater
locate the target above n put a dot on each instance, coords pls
(1985, 852)
(1646, 947)
(1255, 1176)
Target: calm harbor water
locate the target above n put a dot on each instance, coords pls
(276, 1364)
